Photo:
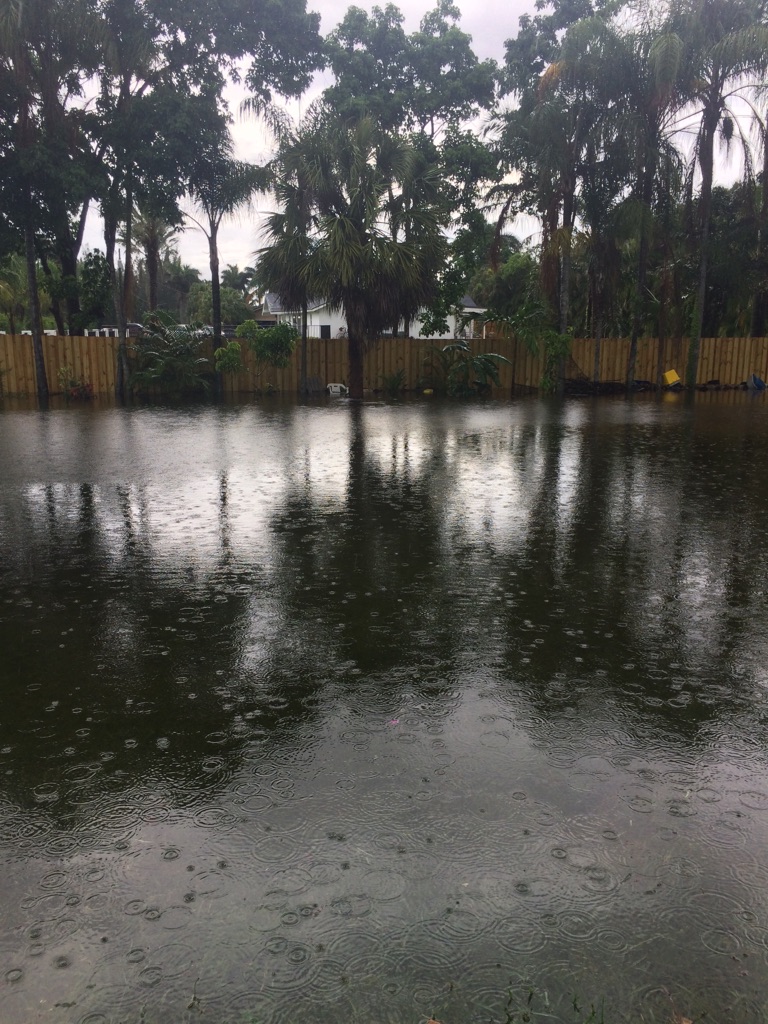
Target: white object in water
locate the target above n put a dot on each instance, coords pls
(338, 389)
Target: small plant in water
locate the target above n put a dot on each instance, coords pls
(521, 1008)
(455, 370)
(393, 383)
(72, 386)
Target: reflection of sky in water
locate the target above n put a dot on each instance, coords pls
(371, 715)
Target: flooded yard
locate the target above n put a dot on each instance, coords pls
(357, 715)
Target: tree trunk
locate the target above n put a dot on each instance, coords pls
(642, 274)
(68, 260)
(153, 272)
(55, 304)
(706, 162)
(121, 377)
(213, 257)
(303, 385)
(760, 298)
(598, 343)
(355, 351)
(565, 282)
(128, 284)
(660, 346)
(34, 304)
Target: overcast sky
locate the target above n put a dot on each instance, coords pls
(489, 24)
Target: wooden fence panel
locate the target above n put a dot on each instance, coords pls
(94, 359)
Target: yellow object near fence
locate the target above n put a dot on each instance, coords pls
(671, 377)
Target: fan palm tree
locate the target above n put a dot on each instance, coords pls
(356, 262)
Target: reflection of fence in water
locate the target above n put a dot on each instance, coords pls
(94, 359)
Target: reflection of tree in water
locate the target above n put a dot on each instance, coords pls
(372, 572)
(645, 600)
(580, 608)
(623, 587)
(123, 663)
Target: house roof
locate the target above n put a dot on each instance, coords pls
(273, 304)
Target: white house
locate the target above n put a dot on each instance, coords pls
(324, 323)
(321, 322)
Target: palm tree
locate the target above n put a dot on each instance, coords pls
(760, 297)
(648, 61)
(724, 55)
(355, 262)
(180, 277)
(544, 141)
(289, 239)
(153, 235)
(236, 279)
(219, 186)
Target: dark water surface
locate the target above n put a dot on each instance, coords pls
(328, 714)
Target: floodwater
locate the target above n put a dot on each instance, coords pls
(337, 714)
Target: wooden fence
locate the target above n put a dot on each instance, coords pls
(94, 360)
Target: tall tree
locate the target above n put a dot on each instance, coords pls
(152, 235)
(289, 238)
(161, 81)
(541, 141)
(220, 185)
(17, 25)
(358, 262)
(724, 57)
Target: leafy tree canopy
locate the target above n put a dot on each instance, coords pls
(234, 308)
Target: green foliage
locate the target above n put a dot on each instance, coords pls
(272, 346)
(234, 308)
(393, 383)
(228, 359)
(175, 284)
(456, 371)
(378, 247)
(13, 291)
(169, 358)
(72, 386)
(556, 348)
(239, 280)
(506, 291)
(96, 305)
(421, 81)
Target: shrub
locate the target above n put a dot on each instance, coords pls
(272, 346)
(72, 386)
(454, 370)
(169, 357)
(227, 358)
